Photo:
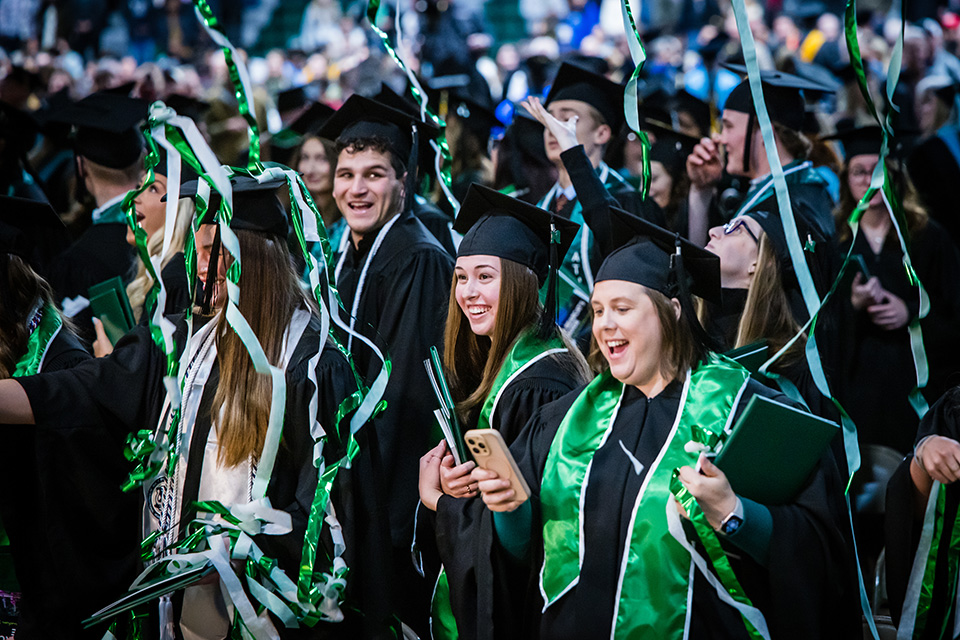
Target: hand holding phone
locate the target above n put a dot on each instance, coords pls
(491, 453)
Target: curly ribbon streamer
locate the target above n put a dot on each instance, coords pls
(240, 79)
(442, 156)
(631, 97)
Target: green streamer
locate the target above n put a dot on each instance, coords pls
(443, 171)
(631, 97)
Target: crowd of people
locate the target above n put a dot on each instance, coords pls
(212, 369)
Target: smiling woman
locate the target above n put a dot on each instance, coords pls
(602, 533)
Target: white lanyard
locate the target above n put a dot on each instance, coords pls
(363, 273)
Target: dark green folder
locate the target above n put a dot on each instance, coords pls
(773, 449)
(750, 356)
(447, 415)
(109, 303)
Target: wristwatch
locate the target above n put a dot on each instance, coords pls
(730, 524)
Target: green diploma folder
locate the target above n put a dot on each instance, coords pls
(109, 303)
(773, 449)
(750, 356)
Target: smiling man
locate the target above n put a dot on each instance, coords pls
(393, 279)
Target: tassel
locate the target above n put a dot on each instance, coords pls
(548, 319)
(748, 142)
(687, 308)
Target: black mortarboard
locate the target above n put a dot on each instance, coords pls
(655, 103)
(396, 101)
(697, 108)
(193, 108)
(31, 229)
(107, 129)
(817, 252)
(859, 141)
(291, 99)
(17, 128)
(782, 93)
(122, 90)
(646, 258)
(29, 79)
(256, 206)
(361, 118)
(576, 83)
(671, 147)
(187, 172)
(311, 120)
(477, 118)
(495, 224)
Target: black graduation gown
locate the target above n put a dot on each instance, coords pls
(88, 395)
(462, 527)
(74, 534)
(878, 371)
(402, 307)
(934, 172)
(437, 223)
(723, 319)
(798, 591)
(906, 507)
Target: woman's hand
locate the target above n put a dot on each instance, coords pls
(864, 294)
(704, 164)
(564, 132)
(939, 457)
(430, 489)
(711, 489)
(456, 481)
(496, 491)
(101, 346)
(890, 312)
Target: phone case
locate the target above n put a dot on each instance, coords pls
(491, 452)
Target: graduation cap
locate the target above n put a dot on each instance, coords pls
(192, 108)
(655, 104)
(187, 173)
(362, 118)
(495, 224)
(698, 109)
(783, 95)
(647, 257)
(31, 229)
(291, 99)
(25, 77)
(817, 252)
(671, 147)
(311, 120)
(107, 129)
(256, 206)
(479, 119)
(858, 141)
(396, 101)
(576, 83)
(782, 92)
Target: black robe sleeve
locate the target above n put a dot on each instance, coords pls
(464, 527)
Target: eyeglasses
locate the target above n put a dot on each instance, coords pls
(860, 174)
(739, 223)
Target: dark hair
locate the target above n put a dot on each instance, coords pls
(20, 289)
(797, 145)
(375, 143)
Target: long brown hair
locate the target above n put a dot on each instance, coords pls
(20, 290)
(913, 210)
(270, 293)
(766, 314)
(472, 362)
